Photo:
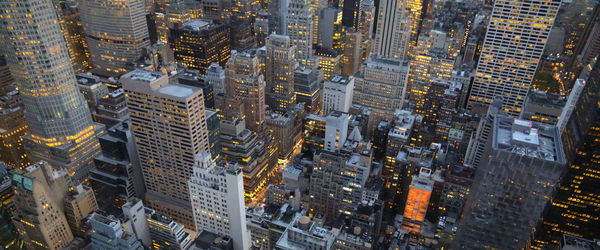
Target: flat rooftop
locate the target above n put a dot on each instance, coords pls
(528, 138)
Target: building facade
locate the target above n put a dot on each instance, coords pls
(169, 124)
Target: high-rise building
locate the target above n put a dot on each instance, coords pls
(174, 13)
(417, 201)
(244, 96)
(166, 233)
(352, 58)
(134, 214)
(278, 10)
(79, 203)
(423, 69)
(573, 209)
(39, 206)
(118, 175)
(286, 129)
(330, 62)
(107, 233)
(351, 13)
(6, 79)
(394, 30)
(511, 52)
(215, 76)
(9, 236)
(169, 125)
(112, 109)
(337, 94)
(116, 32)
(307, 85)
(330, 27)
(12, 129)
(197, 43)
(512, 186)
(300, 29)
(340, 171)
(366, 20)
(279, 71)
(381, 86)
(217, 196)
(61, 128)
(72, 29)
(254, 156)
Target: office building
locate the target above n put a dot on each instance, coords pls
(72, 29)
(191, 78)
(218, 200)
(267, 224)
(573, 209)
(9, 236)
(300, 29)
(169, 124)
(6, 79)
(351, 13)
(215, 76)
(176, 12)
(60, 125)
(197, 43)
(394, 30)
(330, 27)
(166, 233)
(542, 106)
(352, 58)
(475, 151)
(256, 158)
(135, 221)
(340, 171)
(423, 69)
(508, 63)
(305, 234)
(92, 89)
(286, 129)
(279, 70)
(244, 96)
(79, 203)
(381, 86)
(366, 20)
(330, 62)
(213, 125)
(118, 174)
(116, 32)
(278, 10)
(417, 202)
(337, 94)
(107, 233)
(523, 166)
(112, 109)
(12, 128)
(39, 206)
(307, 86)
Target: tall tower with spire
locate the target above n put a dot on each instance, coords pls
(62, 131)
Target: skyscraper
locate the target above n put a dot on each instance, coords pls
(169, 125)
(393, 32)
(300, 29)
(381, 86)
(279, 71)
(116, 32)
(217, 196)
(62, 132)
(573, 209)
(39, 208)
(245, 91)
(512, 186)
(197, 43)
(417, 201)
(511, 52)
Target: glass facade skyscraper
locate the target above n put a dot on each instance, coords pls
(62, 132)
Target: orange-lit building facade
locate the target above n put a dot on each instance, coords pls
(417, 202)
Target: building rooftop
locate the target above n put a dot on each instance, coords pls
(196, 24)
(528, 138)
(176, 90)
(143, 75)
